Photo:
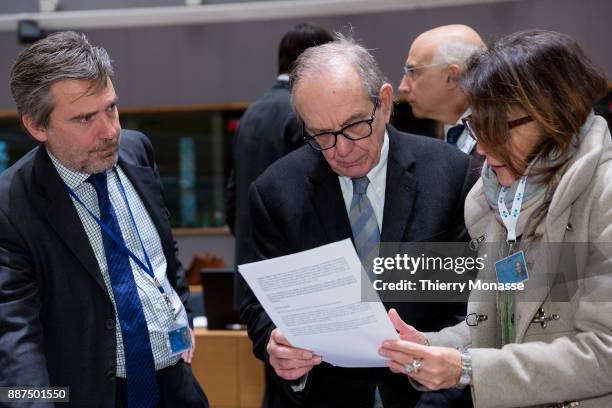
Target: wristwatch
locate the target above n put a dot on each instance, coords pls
(466, 369)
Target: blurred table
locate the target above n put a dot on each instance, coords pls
(225, 367)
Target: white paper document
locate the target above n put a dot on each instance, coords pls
(314, 298)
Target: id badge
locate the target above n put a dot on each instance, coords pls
(179, 339)
(512, 269)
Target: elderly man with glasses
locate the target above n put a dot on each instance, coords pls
(429, 83)
(358, 177)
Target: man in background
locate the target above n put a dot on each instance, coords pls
(267, 131)
(92, 294)
(430, 83)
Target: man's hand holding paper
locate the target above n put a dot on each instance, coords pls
(314, 299)
(290, 363)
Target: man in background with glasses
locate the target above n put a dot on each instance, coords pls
(359, 178)
(430, 79)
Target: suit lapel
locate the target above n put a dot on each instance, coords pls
(144, 182)
(326, 197)
(61, 214)
(400, 192)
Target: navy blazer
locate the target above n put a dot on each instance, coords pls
(297, 204)
(57, 322)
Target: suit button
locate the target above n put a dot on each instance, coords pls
(110, 374)
(110, 324)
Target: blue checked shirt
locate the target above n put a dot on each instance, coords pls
(158, 315)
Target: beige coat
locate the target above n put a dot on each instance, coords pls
(571, 358)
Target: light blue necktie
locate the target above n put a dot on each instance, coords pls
(366, 235)
(141, 380)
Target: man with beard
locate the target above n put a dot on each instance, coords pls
(92, 295)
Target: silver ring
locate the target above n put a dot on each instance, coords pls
(413, 367)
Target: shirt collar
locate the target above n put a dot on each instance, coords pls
(465, 114)
(283, 77)
(71, 178)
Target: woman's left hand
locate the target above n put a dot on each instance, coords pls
(440, 367)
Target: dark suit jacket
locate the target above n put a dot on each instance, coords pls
(268, 130)
(297, 204)
(57, 322)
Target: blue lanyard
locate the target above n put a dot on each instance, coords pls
(120, 243)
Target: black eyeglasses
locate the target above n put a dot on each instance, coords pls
(353, 131)
(511, 124)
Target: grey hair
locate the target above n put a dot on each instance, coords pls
(343, 52)
(60, 56)
(456, 51)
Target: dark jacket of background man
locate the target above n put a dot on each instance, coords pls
(267, 131)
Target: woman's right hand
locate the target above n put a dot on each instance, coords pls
(406, 332)
(439, 367)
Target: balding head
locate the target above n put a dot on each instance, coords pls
(434, 63)
(449, 44)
